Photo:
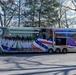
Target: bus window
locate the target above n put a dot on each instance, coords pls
(29, 34)
(60, 41)
(43, 33)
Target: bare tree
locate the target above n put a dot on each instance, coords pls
(63, 9)
(7, 12)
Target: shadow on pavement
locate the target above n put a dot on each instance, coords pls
(44, 70)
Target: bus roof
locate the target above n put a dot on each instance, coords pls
(38, 28)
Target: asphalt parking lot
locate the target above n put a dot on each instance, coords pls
(38, 64)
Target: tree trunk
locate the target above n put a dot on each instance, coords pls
(39, 17)
(4, 17)
(66, 20)
(33, 13)
(1, 20)
(19, 13)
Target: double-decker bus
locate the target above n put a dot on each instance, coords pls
(34, 39)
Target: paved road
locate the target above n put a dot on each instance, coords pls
(38, 64)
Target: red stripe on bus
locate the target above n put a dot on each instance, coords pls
(35, 47)
(45, 42)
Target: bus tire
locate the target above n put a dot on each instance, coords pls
(64, 50)
(50, 50)
(58, 50)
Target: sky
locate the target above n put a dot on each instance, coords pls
(70, 13)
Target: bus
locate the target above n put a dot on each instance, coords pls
(34, 39)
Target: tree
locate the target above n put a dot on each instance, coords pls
(48, 12)
(64, 21)
(29, 12)
(41, 12)
(7, 12)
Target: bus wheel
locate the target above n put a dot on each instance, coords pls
(57, 50)
(64, 50)
(50, 50)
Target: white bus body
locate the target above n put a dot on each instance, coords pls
(31, 39)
